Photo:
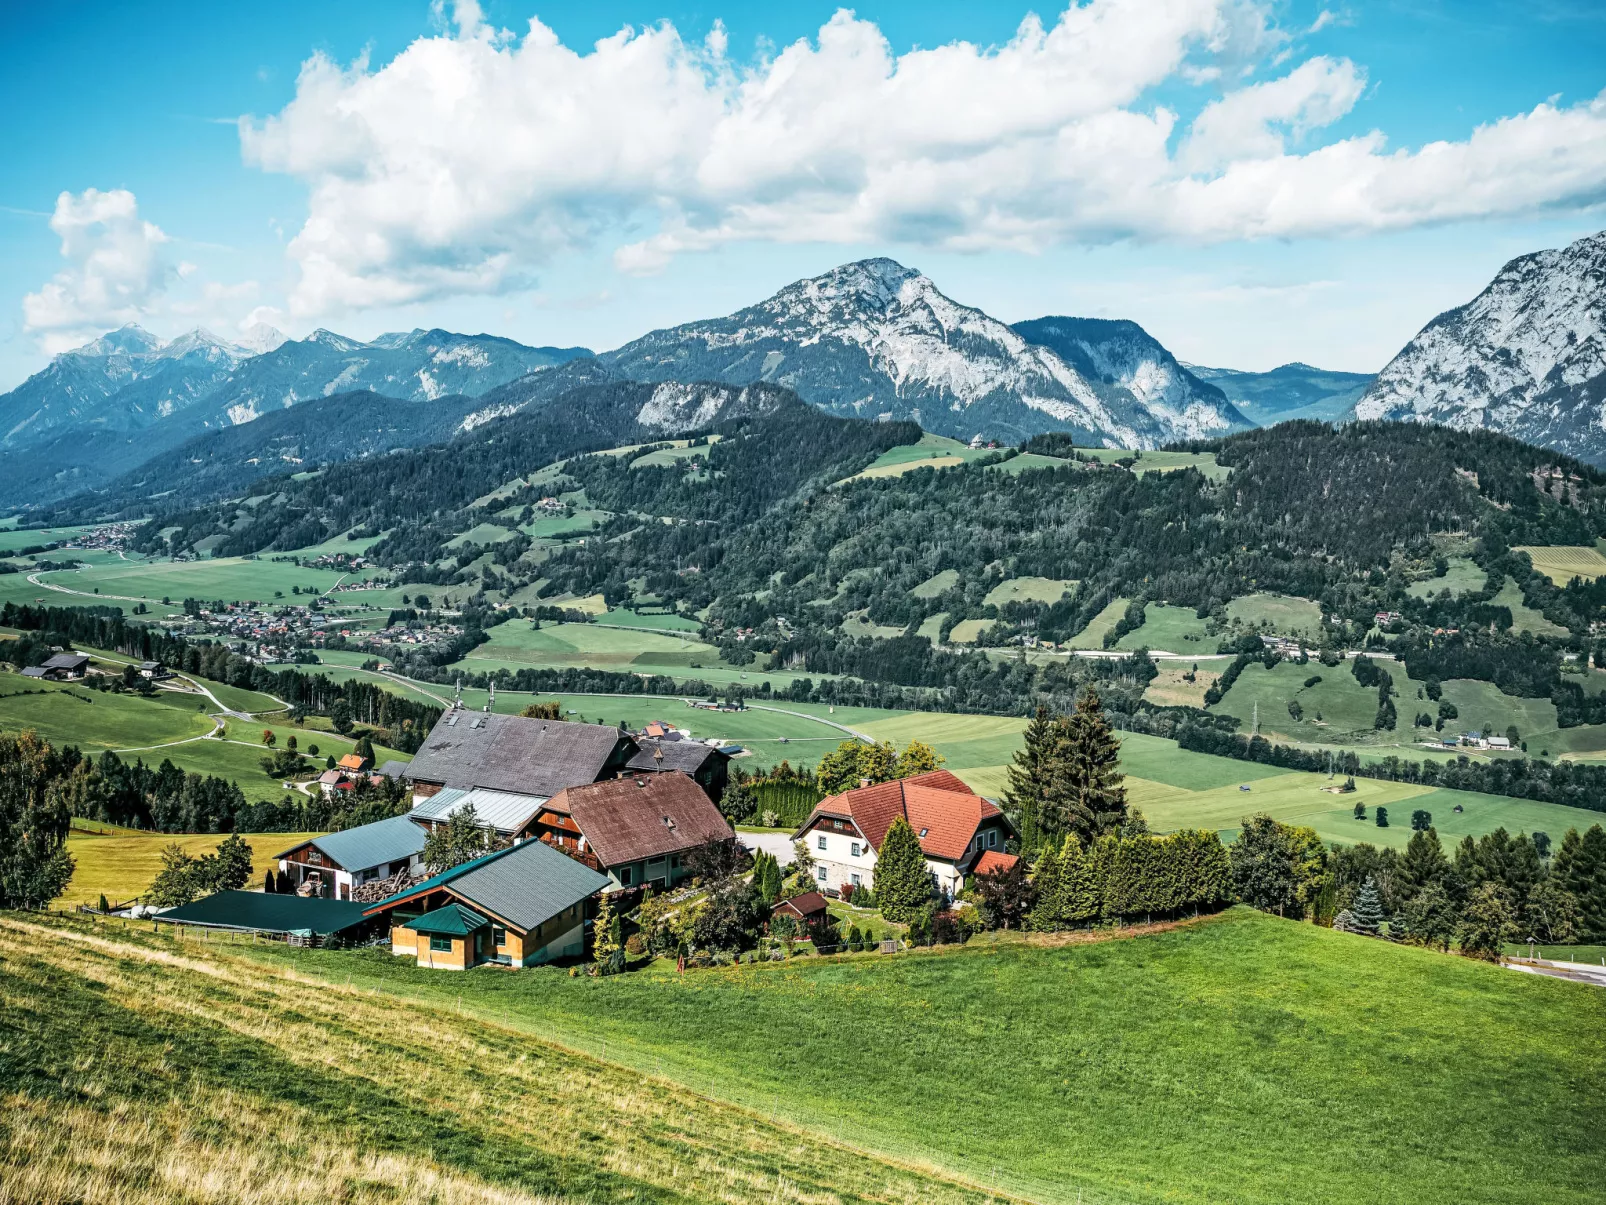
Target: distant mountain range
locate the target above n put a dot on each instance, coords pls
(1292, 391)
(1526, 357)
(107, 407)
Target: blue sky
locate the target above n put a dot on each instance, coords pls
(1245, 180)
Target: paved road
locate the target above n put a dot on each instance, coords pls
(1578, 972)
(777, 845)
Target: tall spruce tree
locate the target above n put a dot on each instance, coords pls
(1085, 794)
(1424, 863)
(902, 883)
(1367, 914)
(1023, 790)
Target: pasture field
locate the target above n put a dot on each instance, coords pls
(679, 451)
(66, 713)
(623, 617)
(144, 1070)
(12, 538)
(931, 626)
(1298, 798)
(1523, 617)
(1243, 1058)
(236, 698)
(232, 579)
(931, 451)
(968, 631)
(857, 623)
(1161, 462)
(1279, 613)
(937, 583)
(1463, 576)
(120, 863)
(1170, 689)
(1561, 563)
(560, 527)
(1092, 636)
(481, 533)
(1028, 461)
(1171, 630)
(1028, 589)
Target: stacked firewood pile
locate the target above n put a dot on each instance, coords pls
(375, 890)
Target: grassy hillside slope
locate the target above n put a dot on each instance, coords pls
(137, 1070)
(1245, 1059)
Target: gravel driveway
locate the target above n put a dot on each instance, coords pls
(778, 845)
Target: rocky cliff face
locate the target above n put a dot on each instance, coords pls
(1526, 357)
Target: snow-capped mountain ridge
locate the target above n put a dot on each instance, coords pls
(878, 339)
(1527, 356)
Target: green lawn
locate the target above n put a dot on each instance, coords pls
(1028, 461)
(11, 539)
(1246, 1059)
(481, 533)
(623, 617)
(1171, 630)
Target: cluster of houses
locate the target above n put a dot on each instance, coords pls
(570, 812)
(1476, 740)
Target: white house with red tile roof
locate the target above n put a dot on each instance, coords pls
(956, 827)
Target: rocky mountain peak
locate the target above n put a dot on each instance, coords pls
(1527, 356)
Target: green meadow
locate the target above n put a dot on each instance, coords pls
(1170, 629)
(1244, 1058)
(144, 1070)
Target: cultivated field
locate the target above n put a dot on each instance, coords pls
(1127, 1070)
(120, 863)
(141, 1071)
(1562, 563)
(1161, 462)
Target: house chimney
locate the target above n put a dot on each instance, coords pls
(864, 782)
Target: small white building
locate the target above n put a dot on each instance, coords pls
(956, 829)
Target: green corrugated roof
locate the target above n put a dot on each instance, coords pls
(267, 913)
(524, 884)
(439, 880)
(453, 919)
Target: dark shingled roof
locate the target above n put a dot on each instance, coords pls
(686, 756)
(266, 913)
(66, 661)
(510, 753)
(633, 818)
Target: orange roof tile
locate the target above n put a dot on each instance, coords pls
(938, 805)
(993, 862)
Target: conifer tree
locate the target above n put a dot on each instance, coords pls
(1081, 885)
(1085, 794)
(1368, 910)
(606, 947)
(1023, 791)
(1430, 917)
(902, 882)
(1488, 922)
(1046, 916)
(1424, 862)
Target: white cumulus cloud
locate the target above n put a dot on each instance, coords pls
(475, 155)
(114, 270)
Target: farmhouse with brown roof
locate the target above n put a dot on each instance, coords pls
(636, 829)
(956, 827)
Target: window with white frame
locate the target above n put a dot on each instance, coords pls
(992, 839)
(854, 849)
(821, 844)
(855, 879)
(820, 870)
